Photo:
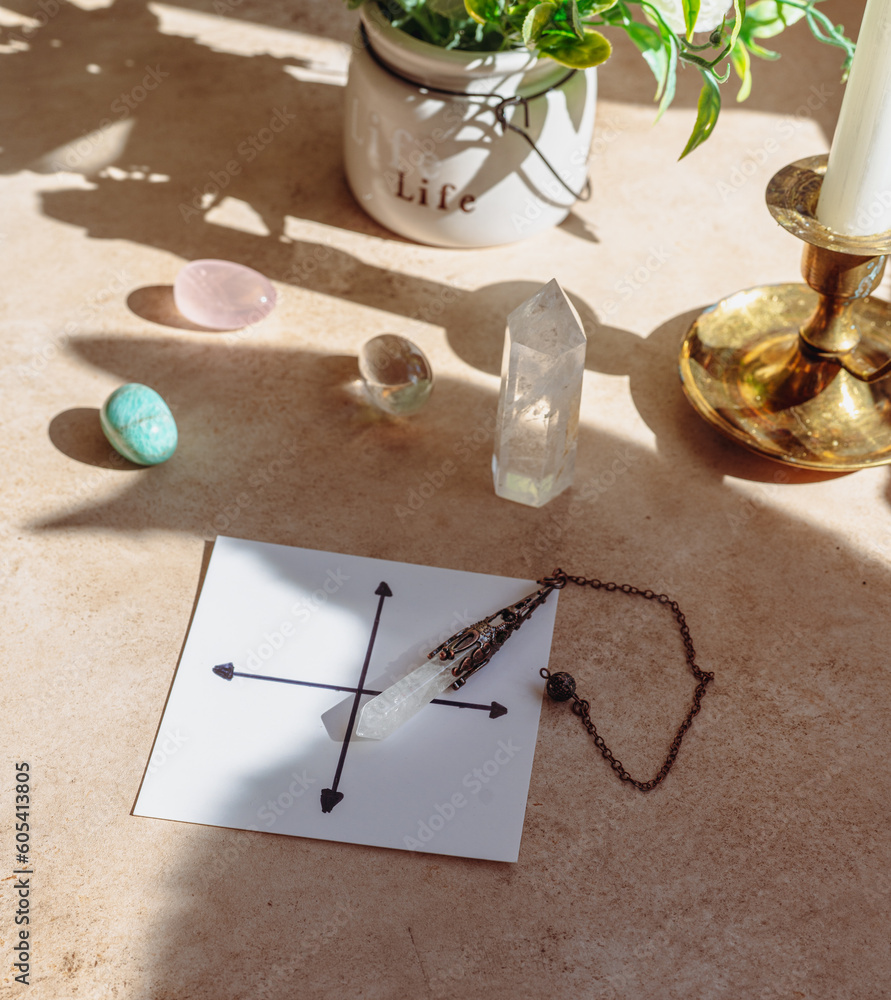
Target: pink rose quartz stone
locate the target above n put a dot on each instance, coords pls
(222, 295)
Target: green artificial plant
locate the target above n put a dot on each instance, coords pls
(716, 36)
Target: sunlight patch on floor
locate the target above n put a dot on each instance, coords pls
(318, 60)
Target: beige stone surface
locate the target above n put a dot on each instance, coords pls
(759, 869)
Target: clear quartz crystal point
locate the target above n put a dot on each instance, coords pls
(541, 390)
(391, 708)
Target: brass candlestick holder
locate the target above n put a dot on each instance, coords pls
(797, 373)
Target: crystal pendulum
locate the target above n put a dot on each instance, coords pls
(473, 647)
(388, 710)
(541, 390)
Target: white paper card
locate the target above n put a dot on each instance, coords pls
(255, 751)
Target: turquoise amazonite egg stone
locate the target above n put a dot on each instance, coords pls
(139, 424)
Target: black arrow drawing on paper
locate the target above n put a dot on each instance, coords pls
(331, 796)
(227, 671)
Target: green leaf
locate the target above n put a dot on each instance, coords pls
(739, 15)
(535, 22)
(670, 44)
(575, 21)
(482, 11)
(708, 109)
(617, 15)
(760, 51)
(739, 58)
(594, 7)
(649, 43)
(691, 12)
(592, 50)
(768, 17)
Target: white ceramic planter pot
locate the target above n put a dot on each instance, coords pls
(426, 157)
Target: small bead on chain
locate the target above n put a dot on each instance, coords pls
(561, 686)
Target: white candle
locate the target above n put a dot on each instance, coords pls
(856, 195)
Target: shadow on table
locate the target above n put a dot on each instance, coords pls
(157, 304)
(275, 446)
(164, 128)
(78, 434)
(170, 144)
(275, 433)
